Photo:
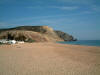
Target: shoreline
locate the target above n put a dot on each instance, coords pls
(83, 42)
(49, 43)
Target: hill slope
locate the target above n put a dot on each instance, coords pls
(37, 33)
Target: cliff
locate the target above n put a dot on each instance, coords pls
(36, 33)
(64, 36)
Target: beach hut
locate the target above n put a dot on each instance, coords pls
(20, 42)
(3, 41)
(11, 42)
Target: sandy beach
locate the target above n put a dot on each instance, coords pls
(49, 59)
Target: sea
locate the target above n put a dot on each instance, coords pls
(82, 42)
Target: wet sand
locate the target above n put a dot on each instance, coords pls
(49, 59)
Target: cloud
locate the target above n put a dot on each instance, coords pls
(95, 8)
(55, 7)
(35, 7)
(40, 17)
(66, 7)
(77, 1)
(7, 1)
(48, 17)
(7, 25)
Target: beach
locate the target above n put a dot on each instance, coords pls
(49, 59)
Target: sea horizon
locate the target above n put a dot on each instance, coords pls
(82, 42)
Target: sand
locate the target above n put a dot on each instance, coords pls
(49, 59)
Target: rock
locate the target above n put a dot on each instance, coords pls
(65, 36)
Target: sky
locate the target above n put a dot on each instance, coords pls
(80, 18)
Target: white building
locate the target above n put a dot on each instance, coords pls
(20, 42)
(4, 41)
(11, 42)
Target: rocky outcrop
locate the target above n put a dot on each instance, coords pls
(36, 33)
(64, 36)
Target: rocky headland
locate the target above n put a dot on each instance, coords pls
(34, 33)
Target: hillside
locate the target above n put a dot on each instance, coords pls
(36, 33)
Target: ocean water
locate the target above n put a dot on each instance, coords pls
(83, 42)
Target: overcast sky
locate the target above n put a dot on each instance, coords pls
(80, 18)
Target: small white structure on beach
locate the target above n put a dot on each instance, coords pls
(11, 42)
(20, 42)
(5, 41)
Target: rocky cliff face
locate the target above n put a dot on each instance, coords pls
(37, 33)
(64, 36)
